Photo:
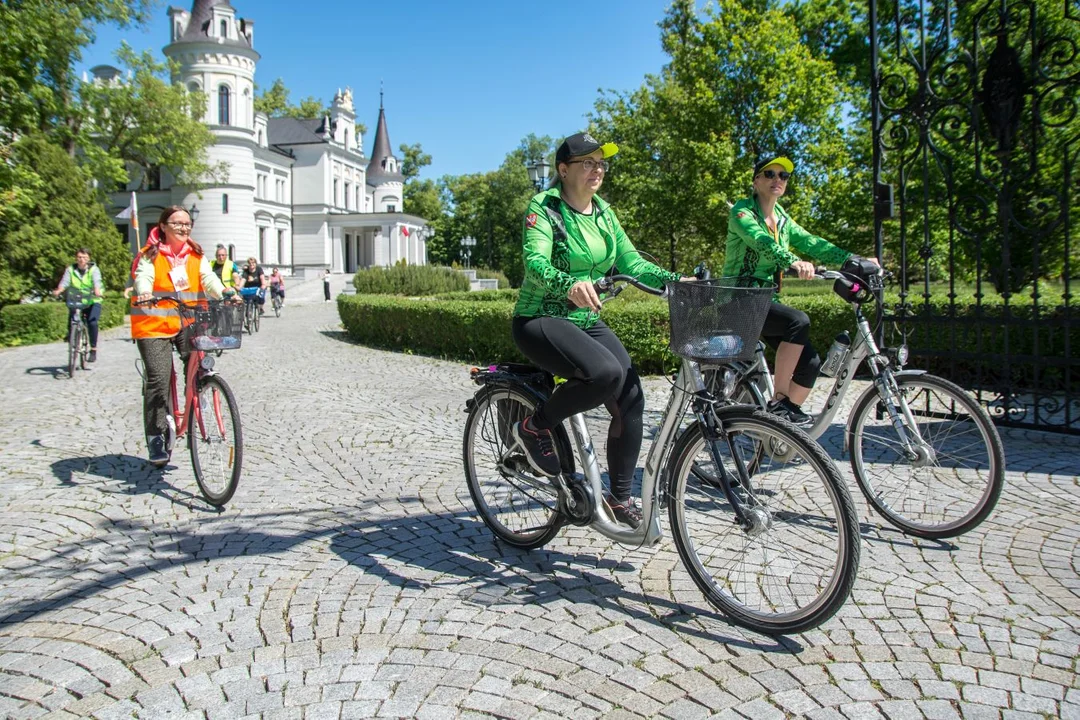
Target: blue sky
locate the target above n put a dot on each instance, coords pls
(467, 80)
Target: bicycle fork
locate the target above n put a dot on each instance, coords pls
(915, 448)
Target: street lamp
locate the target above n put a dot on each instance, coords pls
(467, 244)
(193, 213)
(538, 173)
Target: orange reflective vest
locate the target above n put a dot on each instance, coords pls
(163, 321)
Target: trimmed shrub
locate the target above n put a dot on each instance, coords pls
(506, 295)
(31, 323)
(411, 280)
(485, 274)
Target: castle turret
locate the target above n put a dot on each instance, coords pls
(384, 171)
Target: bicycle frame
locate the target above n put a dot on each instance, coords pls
(688, 382)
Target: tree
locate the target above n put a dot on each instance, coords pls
(144, 125)
(41, 42)
(413, 160)
(55, 211)
(273, 101)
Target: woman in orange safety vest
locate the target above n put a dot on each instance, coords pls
(174, 266)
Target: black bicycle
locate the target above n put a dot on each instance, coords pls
(78, 333)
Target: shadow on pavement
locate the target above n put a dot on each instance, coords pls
(135, 472)
(453, 549)
(57, 373)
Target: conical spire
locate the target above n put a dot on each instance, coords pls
(198, 28)
(379, 169)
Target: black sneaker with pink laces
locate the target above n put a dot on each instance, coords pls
(538, 446)
(625, 511)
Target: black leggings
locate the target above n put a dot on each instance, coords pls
(786, 324)
(598, 372)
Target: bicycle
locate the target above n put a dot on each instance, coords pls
(276, 301)
(794, 519)
(78, 332)
(210, 415)
(955, 462)
(251, 309)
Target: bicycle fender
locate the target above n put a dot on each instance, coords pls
(870, 390)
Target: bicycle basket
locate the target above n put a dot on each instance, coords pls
(78, 299)
(717, 321)
(219, 327)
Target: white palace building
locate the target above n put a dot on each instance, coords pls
(300, 194)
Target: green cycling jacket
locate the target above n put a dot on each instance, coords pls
(752, 252)
(557, 255)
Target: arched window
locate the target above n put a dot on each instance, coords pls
(223, 105)
(232, 252)
(224, 28)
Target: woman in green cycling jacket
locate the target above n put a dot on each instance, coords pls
(760, 242)
(571, 239)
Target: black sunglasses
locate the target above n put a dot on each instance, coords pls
(773, 174)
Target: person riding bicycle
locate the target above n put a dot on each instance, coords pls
(176, 267)
(277, 285)
(85, 277)
(761, 241)
(254, 276)
(571, 238)
(225, 268)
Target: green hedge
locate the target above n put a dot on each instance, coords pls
(485, 274)
(408, 280)
(30, 323)
(475, 327)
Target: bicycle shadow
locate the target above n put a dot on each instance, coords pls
(138, 475)
(57, 373)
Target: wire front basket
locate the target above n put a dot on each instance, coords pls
(78, 299)
(218, 327)
(717, 321)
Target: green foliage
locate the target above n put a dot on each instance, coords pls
(143, 125)
(31, 323)
(274, 101)
(58, 213)
(503, 296)
(413, 160)
(409, 280)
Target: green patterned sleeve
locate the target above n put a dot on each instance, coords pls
(816, 247)
(744, 225)
(630, 262)
(537, 253)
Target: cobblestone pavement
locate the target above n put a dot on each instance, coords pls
(350, 578)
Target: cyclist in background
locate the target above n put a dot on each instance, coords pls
(226, 269)
(277, 285)
(85, 277)
(761, 241)
(174, 266)
(571, 238)
(253, 276)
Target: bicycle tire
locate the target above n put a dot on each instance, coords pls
(528, 514)
(73, 348)
(256, 317)
(820, 526)
(895, 494)
(84, 347)
(216, 463)
(277, 307)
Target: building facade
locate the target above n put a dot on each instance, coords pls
(300, 193)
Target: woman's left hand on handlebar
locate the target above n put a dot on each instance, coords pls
(805, 269)
(583, 294)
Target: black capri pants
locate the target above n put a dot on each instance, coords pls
(786, 324)
(598, 372)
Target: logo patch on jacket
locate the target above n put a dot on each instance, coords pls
(741, 215)
(530, 220)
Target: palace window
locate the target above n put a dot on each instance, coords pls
(224, 204)
(223, 105)
(224, 28)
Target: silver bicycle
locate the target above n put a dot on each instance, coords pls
(925, 454)
(773, 544)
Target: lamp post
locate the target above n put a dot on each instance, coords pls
(467, 244)
(538, 173)
(193, 213)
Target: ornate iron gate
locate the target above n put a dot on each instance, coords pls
(976, 135)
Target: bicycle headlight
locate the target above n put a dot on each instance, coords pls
(207, 363)
(898, 356)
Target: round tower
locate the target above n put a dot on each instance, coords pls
(384, 171)
(215, 53)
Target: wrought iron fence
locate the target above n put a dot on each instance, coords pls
(976, 134)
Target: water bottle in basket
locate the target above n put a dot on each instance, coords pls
(717, 347)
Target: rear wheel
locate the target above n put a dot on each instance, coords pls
(954, 482)
(215, 440)
(74, 340)
(520, 507)
(793, 568)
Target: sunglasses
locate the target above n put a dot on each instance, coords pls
(773, 174)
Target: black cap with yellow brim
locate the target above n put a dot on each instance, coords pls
(583, 144)
(772, 159)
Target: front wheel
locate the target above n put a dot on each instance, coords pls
(951, 481)
(277, 307)
(255, 316)
(249, 324)
(215, 440)
(519, 506)
(795, 564)
(73, 348)
(84, 347)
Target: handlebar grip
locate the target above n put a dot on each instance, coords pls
(793, 273)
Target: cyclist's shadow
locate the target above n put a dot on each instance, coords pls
(57, 373)
(135, 475)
